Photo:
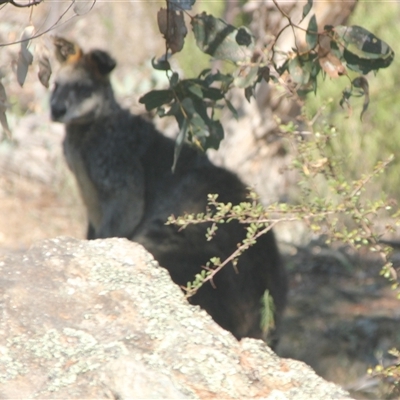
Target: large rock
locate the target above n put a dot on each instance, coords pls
(101, 319)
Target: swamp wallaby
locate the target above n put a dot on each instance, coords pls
(123, 168)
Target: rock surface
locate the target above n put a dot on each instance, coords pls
(100, 319)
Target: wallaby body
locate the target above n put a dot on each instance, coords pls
(123, 168)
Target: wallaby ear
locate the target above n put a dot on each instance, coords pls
(102, 60)
(67, 51)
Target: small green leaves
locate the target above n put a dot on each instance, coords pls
(267, 312)
(199, 279)
(251, 214)
(331, 51)
(336, 48)
(193, 103)
(390, 373)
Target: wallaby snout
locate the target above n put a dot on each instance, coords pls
(57, 110)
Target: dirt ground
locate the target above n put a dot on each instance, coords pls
(341, 319)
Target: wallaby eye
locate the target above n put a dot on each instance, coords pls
(84, 87)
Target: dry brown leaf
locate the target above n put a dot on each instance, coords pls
(172, 25)
(331, 64)
(3, 109)
(362, 83)
(25, 57)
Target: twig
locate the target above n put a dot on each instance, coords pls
(53, 26)
(30, 4)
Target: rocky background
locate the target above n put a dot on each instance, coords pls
(102, 320)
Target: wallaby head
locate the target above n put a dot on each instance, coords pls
(82, 90)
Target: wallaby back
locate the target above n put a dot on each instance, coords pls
(123, 168)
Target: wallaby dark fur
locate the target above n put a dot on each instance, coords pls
(123, 168)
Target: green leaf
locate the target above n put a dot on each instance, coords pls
(362, 65)
(213, 93)
(197, 85)
(221, 40)
(174, 109)
(284, 67)
(187, 104)
(362, 83)
(205, 132)
(199, 88)
(263, 73)
(246, 76)
(267, 312)
(205, 72)
(198, 128)
(174, 80)
(156, 98)
(232, 109)
(161, 65)
(312, 33)
(303, 70)
(299, 70)
(180, 140)
(249, 93)
(200, 107)
(362, 43)
(196, 90)
(225, 79)
(361, 49)
(336, 50)
(307, 8)
(216, 134)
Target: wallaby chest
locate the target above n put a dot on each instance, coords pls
(73, 151)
